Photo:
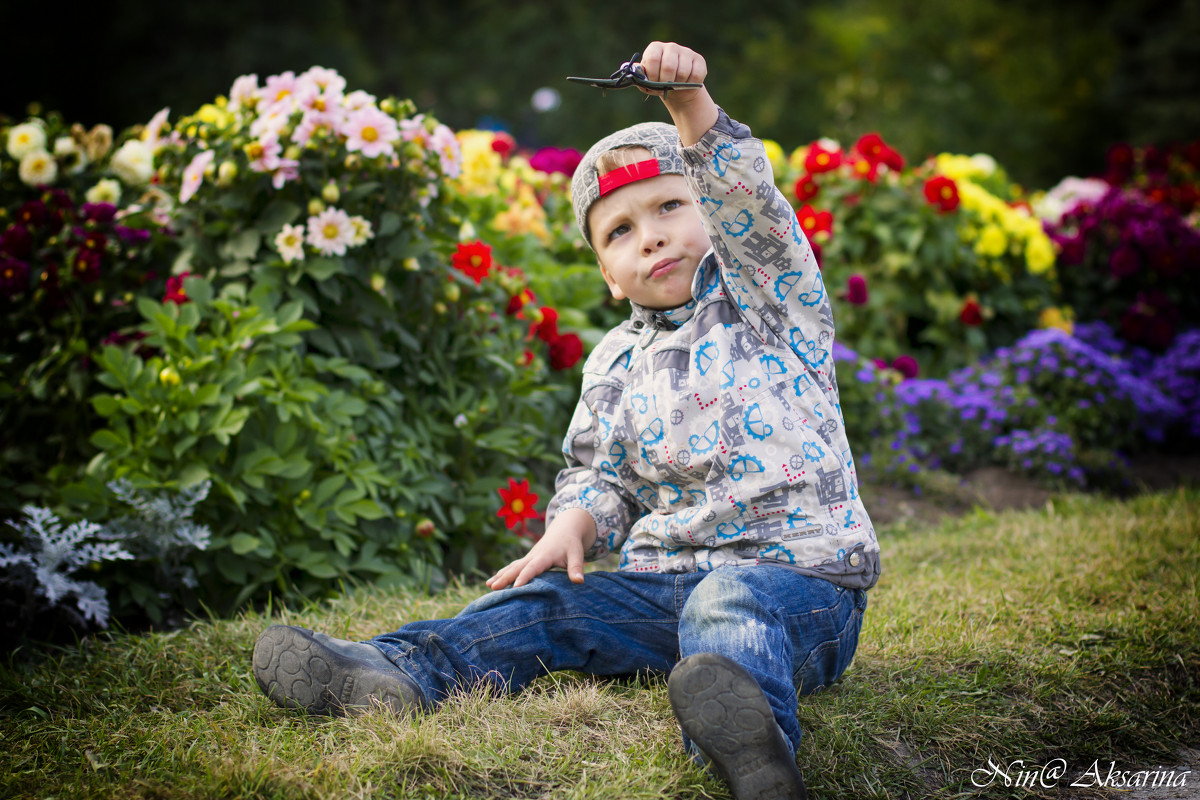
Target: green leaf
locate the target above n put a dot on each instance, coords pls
(275, 216)
(365, 508)
(192, 474)
(198, 289)
(106, 439)
(243, 543)
(243, 246)
(389, 223)
(326, 488)
(105, 404)
(323, 268)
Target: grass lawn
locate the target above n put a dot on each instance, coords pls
(1068, 632)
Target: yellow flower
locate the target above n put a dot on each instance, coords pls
(217, 117)
(523, 215)
(481, 165)
(796, 159)
(775, 155)
(992, 241)
(1054, 317)
(1039, 254)
(168, 376)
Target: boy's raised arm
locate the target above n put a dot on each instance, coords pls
(692, 110)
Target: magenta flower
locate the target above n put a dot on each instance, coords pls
(907, 366)
(556, 159)
(856, 290)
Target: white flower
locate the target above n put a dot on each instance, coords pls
(445, 143)
(152, 133)
(133, 162)
(244, 93)
(290, 243)
(193, 174)
(38, 168)
(330, 232)
(984, 163)
(106, 190)
(264, 152)
(327, 79)
(68, 151)
(371, 132)
(278, 93)
(358, 100)
(362, 231)
(26, 138)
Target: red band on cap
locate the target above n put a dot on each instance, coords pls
(611, 181)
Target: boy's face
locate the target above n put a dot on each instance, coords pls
(649, 241)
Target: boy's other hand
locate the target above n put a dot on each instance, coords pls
(563, 545)
(667, 61)
(692, 110)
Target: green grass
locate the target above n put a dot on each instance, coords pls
(1066, 632)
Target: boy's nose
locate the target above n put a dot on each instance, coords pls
(652, 239)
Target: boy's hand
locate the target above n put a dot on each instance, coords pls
(563, 544)
(692, 110)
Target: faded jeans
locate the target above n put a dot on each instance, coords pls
(792, 632)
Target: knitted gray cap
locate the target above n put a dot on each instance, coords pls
(661, 139)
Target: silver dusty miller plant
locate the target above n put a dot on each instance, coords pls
(160, 533)
(50, 553)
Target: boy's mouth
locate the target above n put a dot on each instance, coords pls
(662, 267)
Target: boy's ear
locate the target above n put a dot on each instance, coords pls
(612, 284)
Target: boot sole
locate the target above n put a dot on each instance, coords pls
(295, 670)
(722, 709)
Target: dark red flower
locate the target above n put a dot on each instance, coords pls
(14, 277)
(175, 292)
(1072, 249)
(942, 193)
(806, 188)
(473, 260)
(856, 290)
(86, 266)
(16, 241)
(970, 313)
(32, 213)
(545, 325)
(1120, 164)
(813, 222)
(520, 504)
(1124, 262)
(821, 160)
(99, 212)
(519, 301)
(906, 365)
(565, 351)
(1151, 320)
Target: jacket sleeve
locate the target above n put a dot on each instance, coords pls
(767, 264)
(591, 480)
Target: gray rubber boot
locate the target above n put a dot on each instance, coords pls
(726, 715)
(298, 668)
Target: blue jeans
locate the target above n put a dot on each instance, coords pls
(792, 632)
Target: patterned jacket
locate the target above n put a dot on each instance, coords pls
(711, 434)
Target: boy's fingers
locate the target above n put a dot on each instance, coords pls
(575, 563)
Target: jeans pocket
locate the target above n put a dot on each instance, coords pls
(826, 662)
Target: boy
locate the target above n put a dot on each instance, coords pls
(707, 445)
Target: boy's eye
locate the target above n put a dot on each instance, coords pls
(620, 230)
(671, 205)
